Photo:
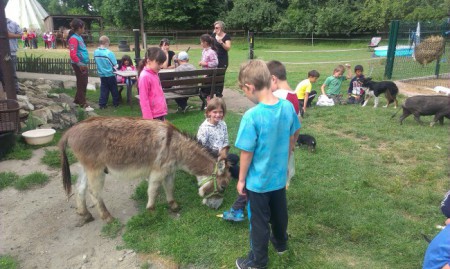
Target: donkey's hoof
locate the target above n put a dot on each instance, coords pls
(108, 218)
(84, 219)
(174, 206)
(151, 209)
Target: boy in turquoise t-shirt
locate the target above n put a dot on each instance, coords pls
(106, 65)
(266, 137)
(332, 85)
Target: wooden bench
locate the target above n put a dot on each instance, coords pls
(180, 84)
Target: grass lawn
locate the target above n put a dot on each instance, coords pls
(361, 201)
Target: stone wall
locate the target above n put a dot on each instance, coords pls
(45, 109)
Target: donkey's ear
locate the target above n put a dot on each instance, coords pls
(223, 153)
(221, 167)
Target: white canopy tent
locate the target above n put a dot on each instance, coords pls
(27, 13)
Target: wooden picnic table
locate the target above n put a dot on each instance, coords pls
(128, 75)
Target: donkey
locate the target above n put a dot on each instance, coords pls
(61, 36)
(133, 147)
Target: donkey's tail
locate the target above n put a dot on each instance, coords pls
(65, 167)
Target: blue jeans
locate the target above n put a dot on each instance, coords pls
(108, 84)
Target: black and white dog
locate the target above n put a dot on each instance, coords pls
(389, 89)
(308, 141)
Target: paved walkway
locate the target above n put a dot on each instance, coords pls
(63, 78)
(235, 101)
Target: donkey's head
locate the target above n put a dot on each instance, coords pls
(211, 188)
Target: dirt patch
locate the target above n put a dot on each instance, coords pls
(409, 89)
(38, 226)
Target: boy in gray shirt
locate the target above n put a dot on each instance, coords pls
(183, 65)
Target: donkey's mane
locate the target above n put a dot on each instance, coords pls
(191, 137)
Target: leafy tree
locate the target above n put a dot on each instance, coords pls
(282, 4)
(70, 7)
(429, 10)
(167, 14)
(124, 14)
(335, 17)
(53, 7)
(252, 14)
(206, 12)
(375, 16)
(182, 14)
(299, 17)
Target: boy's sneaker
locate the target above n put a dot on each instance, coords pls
(244, 263)
(88, 109)
(234, 215)
(179, 109)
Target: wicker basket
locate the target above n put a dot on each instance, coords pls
(9, 116)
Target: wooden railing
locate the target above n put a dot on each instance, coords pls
(51, 66)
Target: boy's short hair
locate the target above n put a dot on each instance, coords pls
(339, 68)
(104, 40)
(313, 74)
(359, 67)
(255, 72)
(216, 103)
(277, 69)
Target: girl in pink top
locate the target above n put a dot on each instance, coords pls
(209, 55)
(151, 96)
(127, 65)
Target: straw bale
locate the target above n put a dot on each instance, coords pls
(429, 49)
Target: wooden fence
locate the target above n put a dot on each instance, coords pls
(51, 66)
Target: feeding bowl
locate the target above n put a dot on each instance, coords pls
(39, 136)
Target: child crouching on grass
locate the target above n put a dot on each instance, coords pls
(332, 85)
(213, 133)
(355, 90)
(264, 163)
(106, 64)
(304, 91)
